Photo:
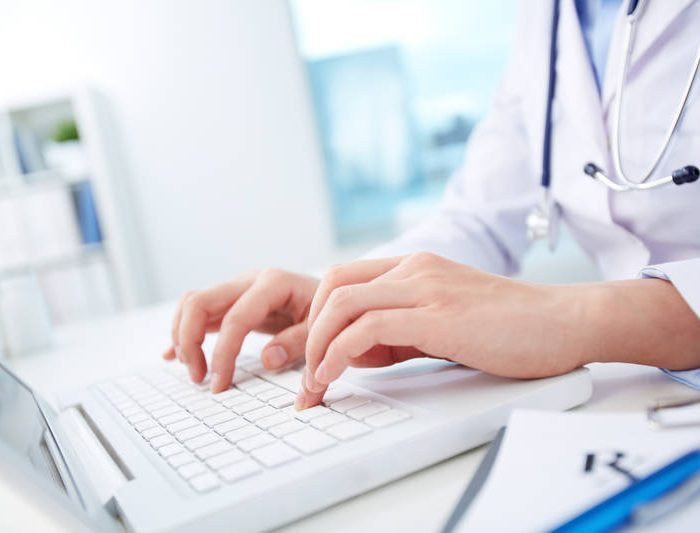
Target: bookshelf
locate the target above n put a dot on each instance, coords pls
(66, 216)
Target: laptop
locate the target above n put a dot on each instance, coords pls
(154, 452)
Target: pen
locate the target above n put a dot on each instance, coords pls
(644, 501)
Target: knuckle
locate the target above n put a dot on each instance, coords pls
(422, 259)
(271, 274)
(341, 296)
(334, 275)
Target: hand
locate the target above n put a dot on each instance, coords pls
(376, 313)
(270, 301)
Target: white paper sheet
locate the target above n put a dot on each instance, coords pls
(552, 466)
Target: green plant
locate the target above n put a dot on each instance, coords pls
(66, 130)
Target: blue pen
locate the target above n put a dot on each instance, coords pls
(654, 496)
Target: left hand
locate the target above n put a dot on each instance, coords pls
(380, 312)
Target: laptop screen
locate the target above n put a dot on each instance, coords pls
(24, 429)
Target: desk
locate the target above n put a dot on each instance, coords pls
(90, 352)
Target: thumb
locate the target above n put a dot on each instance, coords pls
(285, 348)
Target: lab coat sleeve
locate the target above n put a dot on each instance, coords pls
(481, 219)
(685, 276)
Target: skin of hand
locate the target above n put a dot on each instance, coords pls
(268, 301)
(380, 312)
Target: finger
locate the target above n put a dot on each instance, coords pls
(352, 273)
(285, 348)
(307, 398)
(175, 328)
(169, 354)
(394, 327)
(343, 306)
(270, 291)
(198, 310)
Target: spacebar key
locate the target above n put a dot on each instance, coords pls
(290, 379)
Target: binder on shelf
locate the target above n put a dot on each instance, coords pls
(86, 213)
(13, 251)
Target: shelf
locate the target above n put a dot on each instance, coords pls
(21, 184)
(85, 254)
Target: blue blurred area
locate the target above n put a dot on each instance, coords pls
(397, 88)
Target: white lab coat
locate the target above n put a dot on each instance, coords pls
(653, 233)
(481, 221)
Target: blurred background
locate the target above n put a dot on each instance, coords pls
(148, 147)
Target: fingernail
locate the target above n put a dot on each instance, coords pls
(193, 373)
(321, 375)
(275, 356)
(310, 382)
(178, 353)
(300, 402)
(217, 382)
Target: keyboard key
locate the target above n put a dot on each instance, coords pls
(387, 418)
(225, 395)
(243, 408)
(162, 404)
(180, 459)
(131, 411)
(161, 440)
(369, 409)
(252, 416)
(239, 470)
(191, 432)
(209, 411)
(352, 402)
(201, 441)
(249, 384)
(224, 459)
(231, 425)
(237, 400)
(272, 392)
(180, 414)
(328, 420)
(282, 401)
(138, 417)
(289, 379)
(205, 452)
(199, 403)
(259, 388)
(146, 424)
(275, 454)
(152, 432)
(243, 433)
(218, 418)
(240, 376)
(335, 394)
(170, 449)
(348, 430)
(273, 420)
(182, 425)
(166, 410)
(204, 482)
(309, 440)
(312, 412)
(287, 428)
(262, 439)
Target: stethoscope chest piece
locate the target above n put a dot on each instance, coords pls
(543, 222)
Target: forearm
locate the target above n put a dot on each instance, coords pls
(643, 321)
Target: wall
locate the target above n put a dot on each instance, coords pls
(209, 102)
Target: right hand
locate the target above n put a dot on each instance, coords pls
(269, 301)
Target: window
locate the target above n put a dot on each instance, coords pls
(397, 86)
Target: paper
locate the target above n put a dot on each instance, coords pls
(552, 466)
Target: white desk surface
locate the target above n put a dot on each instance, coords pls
(90, 352)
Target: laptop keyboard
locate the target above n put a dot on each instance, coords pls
(212, 440)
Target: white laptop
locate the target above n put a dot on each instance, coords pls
(154, 452)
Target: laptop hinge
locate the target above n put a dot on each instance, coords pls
(100, 469)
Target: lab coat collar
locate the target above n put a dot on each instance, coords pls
(656, 19)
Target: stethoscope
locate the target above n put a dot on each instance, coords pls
(543, 220)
